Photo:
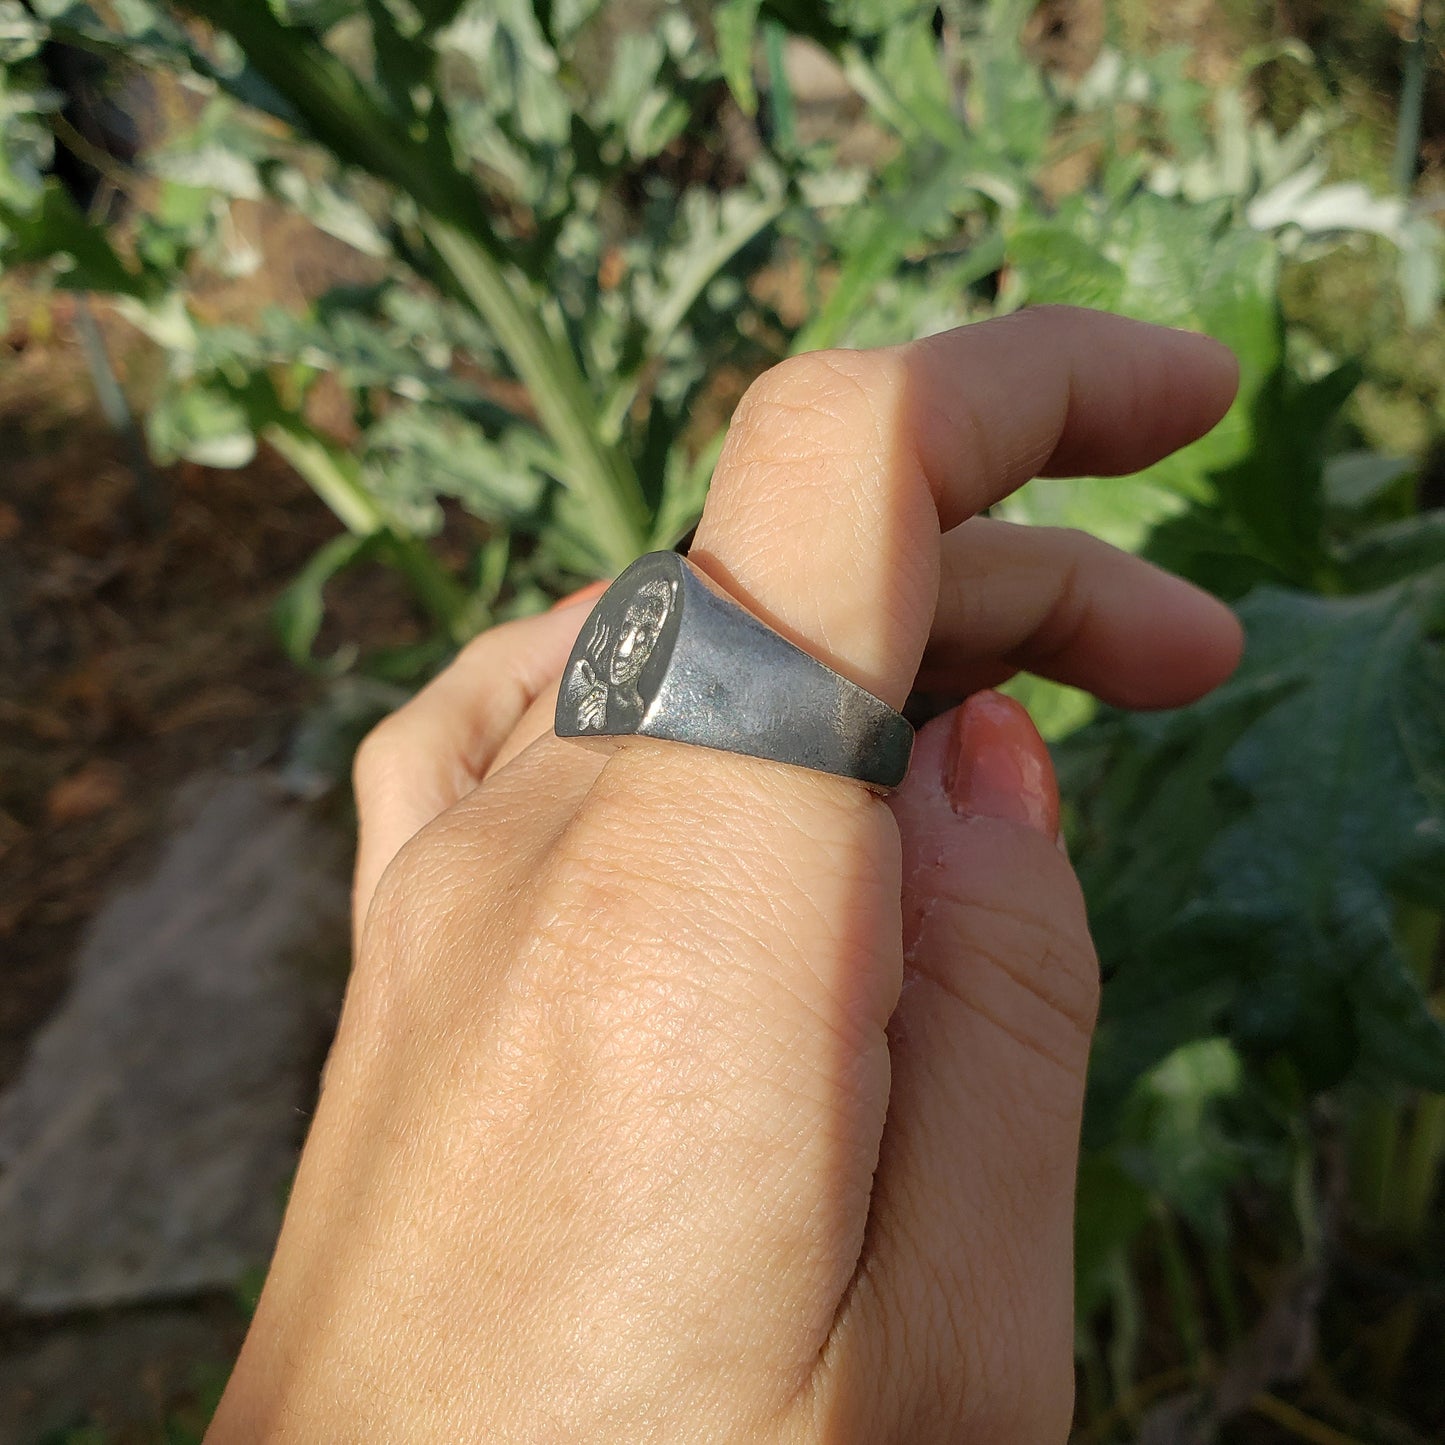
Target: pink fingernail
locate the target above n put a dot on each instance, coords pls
(997, 766)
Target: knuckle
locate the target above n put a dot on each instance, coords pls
(1074, 547)
(499, 645)
(606, 944)
(647, 957)
(410, 907)
(438, 929)
(817, 390)
(375, 758)
(1068, 613)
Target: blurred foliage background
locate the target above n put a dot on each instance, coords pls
(576, 229)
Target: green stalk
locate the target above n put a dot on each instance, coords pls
(1412, 104)
(326, 476)
(1374, 1148)
(433, 586)
(1127, 1335)
(678, 302)
(1423, 1159)
(1180, 1288)
(1398, 1169)
(1421, 1167)
(1219, 1269)
(330, 476)
(602, 476)
(1397, 1160)
(340, 112)
(780, 90)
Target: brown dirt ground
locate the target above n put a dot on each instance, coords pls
(127, 659)
(130, 658)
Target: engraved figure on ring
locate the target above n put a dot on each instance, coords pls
(603, 686)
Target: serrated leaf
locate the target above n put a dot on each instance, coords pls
(1276, 492)
(1176, 264)
(921, 199)
(909, 63)
(704, 237)
(417, 454)
(1121, 510)
(55, 231)
(1394, 551)
(1053, 261)
(1352, 480)
(1244, 856)
(735, 23)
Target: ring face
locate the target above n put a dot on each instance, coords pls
(666, 654)
(622, 652)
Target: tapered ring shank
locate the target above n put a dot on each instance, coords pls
(666, 654)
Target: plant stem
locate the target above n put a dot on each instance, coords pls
(780, 90)
(326, 476)
(1420, 1168)
(1423, 1156)
(601, 476)
(1304, 1427)
(1127, 1333)
(1128, 1409)
(1180, 1288)
(1405, 1164)
(1412, 102)
(1374, 1147)
(342, 113)
(333, 478)
(1219, 1269)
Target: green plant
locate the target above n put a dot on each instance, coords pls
(586, 226)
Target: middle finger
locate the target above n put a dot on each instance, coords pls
(1066, 606)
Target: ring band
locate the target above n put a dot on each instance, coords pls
(666, 654)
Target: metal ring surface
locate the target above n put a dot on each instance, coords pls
(666, 654)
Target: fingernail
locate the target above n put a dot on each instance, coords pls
(581, 595)
(997, 766)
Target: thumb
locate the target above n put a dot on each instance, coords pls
(970, 1238)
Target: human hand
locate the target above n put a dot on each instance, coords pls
(685, 1096)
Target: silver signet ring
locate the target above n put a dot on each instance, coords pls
(666, 654)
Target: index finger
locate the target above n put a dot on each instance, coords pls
(842, 468)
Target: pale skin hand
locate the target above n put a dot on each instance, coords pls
(680, 1096)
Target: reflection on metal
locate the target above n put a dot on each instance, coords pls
(666, 654)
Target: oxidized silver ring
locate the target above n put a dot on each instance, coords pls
(666, 654)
